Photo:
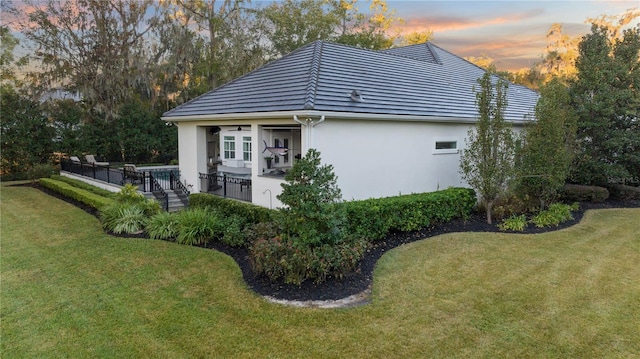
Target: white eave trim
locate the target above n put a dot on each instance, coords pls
(328, 114)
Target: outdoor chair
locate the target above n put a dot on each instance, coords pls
(74, 159)
(245, 183)
(91, 159)
(131, 175)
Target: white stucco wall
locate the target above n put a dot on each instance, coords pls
(382, 158)
(371, 158)
(192, 153)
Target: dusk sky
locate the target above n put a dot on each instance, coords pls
(511, 32)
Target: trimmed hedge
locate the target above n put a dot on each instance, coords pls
(78, 194)
(227, 207)
(624, 193)
(85, 186)
(373, 219)
(581, 193)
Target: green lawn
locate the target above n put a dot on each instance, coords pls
(68, 290)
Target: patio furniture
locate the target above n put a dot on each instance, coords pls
(245, 183)
(75, 159)
(131, 175)
(91, 159)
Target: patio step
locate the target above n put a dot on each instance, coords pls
(177, 200)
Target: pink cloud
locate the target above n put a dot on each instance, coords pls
(438, 23)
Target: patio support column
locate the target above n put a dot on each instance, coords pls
(192, 154)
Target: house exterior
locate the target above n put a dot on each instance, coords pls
(390, 122)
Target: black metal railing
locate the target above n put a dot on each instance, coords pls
(176, 184)
(159, 192)
(227, 186)
(103, 173)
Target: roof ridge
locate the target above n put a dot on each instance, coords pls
(312, 82)
(433, 52)
(427, 44)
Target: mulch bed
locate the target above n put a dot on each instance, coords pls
(362, 279)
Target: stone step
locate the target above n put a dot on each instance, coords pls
(175, 201)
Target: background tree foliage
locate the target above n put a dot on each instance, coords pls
(26, 137)
(606, 97)
(487, 161)
(205, 44)
(94, 47)
(290, 24)
(8, 64)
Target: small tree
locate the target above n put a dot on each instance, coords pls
(310, 194)
(311, 243)
(487, 162)
(548, 145)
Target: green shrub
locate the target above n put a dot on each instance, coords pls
(129, 194)
(41, 170)
(227, 207)
(77, 194)
(197, 226)
(624, 193)
(234, 234)
(17, 176)
(264, 230)
(375, 218)
(150, 207)
(123, 218)
(163, 225)
(280, 258)
(580, 193)
(556, 213)
(514, 223)
(85, 186)
(511, 205)
(129, 213)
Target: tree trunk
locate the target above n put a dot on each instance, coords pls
(489, 205)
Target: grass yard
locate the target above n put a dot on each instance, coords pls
(69, 290)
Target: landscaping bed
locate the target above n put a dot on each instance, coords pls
(361, 280)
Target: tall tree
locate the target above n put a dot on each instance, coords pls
(487, 161)
(291, 24)
(369, 30)
(548, 145)
(606, 96)
(416, 37)
(561, 53)
(94, 47)
(210, 42)
(615, 23)
(8, 63)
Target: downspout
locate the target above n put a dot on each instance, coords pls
(309, 124)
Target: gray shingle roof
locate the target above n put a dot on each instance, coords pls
(420, 80)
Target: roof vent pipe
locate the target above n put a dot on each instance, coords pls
(356, 95)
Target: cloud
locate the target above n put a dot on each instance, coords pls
(509, 53)
(441, 23)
